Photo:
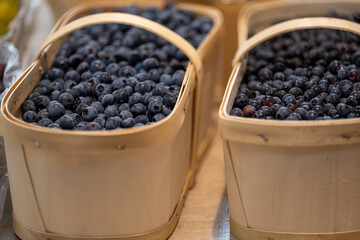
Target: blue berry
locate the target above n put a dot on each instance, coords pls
(236, 112)
(125, 114)
(142, 119)
(311, 115)
(158, 117)
(111, 111)
(45, 122)
(66, 99)
(121, 95)
(89, 114)
(113, 123)
(170, 100)
(28, 105)
(343, 109)
(93, 126)
(55, 110)
(139, 109)
(30, 117)
(283, 113)
(108, 99)
(66, 122)
(128, 123)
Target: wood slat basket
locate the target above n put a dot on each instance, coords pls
(257, 15)
(123, 184)
(210, 50)
(290, 180)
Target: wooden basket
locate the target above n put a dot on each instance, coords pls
(258, 15)
(210, 51)
(120, 184)
(291, 180)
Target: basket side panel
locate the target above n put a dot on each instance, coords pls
(206, 95)
(267, 14)
(23, 198)
(180, 158)
(299, 189)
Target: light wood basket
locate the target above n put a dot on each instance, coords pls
(257, 15)
(125, 184)
(290, 180)
(210, 51)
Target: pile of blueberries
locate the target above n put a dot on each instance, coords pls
(302, 75)
(114, 76)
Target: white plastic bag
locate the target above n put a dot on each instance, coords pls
(10, 57)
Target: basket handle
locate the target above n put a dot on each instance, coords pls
(291, 25)
(133, 20)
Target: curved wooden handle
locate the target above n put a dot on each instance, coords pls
(133, 20)
(291, 25)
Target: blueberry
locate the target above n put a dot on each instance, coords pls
(154, 75)
(283, 113)
(66, 122)
(104, 77)
(332, 98)
(55, 110)
(142, 119)
(138, 109)
(102, 89)
(118, 83)
(93, 126)
(128, 123)
(44, 83)
(121, 95)
(112, 69)
(28, 105)
(45, 122)
(158, 117)
(265, 74)
(170, 100)
(150, 63)
(311, 115)
(343, 109)
(113, 123)
(135, 98)
(124, 106)
(178, 77)
(54, 73)
(125, 114)
(101, 121)
(301, 111)
(55, 86)
(159, 90)
(127, 71)
(142, 87)
(111, 111)
(249, 111)
(30, 116)
(66, 99)
(155, 107)
(166, 79)
(89, 114)
(54, 126)
(72, 75)
(294, 116)
(41, 90)
(108, 99)
(166, 111)
(97, 65)
(77, 118)
(236, 112)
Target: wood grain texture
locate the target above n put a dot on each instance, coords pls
(205, 214)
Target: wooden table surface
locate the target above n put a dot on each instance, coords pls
(205, 215)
